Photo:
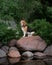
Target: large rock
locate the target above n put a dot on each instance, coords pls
(13, 52)
(39, 55)
(12, 42)
(33, 43)
(27, 54)
(5, 48)
(48, 50)
(13, 48)
(2, 53)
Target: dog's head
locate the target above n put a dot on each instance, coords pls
(23, 23)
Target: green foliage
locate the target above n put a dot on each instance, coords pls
(49, 13)
(7, 33)
(43, 28)
(27, 9)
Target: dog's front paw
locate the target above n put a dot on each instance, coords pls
(23, 36)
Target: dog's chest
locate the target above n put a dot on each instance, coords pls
(24, 29)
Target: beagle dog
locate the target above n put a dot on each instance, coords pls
(26, 30)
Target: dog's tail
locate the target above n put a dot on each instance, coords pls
(32, 33)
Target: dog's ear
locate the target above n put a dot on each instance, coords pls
(25, 22)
